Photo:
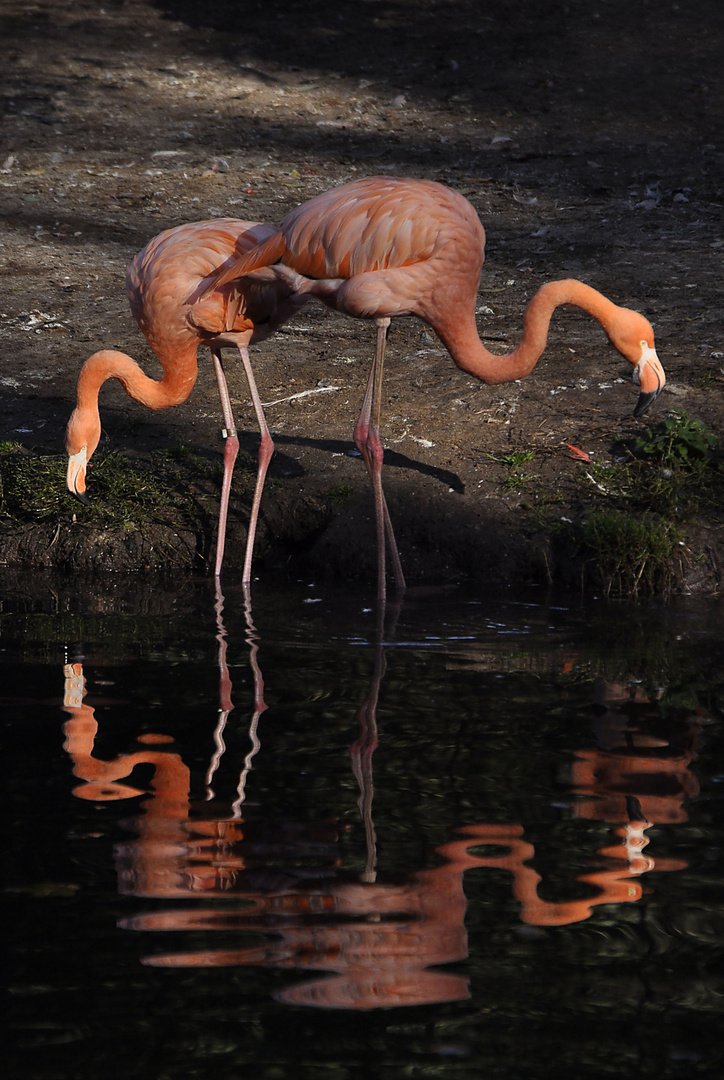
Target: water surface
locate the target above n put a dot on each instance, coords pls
(296, 836)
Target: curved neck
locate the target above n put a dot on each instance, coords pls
(467, 350)
(179, 376)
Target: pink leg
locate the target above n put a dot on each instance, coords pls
(367, 439)
(266, 449)
(367, 430)
(231, 449)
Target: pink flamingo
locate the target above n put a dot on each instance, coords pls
(382, 247)
(165, 285)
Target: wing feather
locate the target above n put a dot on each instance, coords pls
(374, 224)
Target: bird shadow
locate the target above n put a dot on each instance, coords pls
(38, 424)
(392, 458)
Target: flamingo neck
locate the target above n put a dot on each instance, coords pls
(467, 350)
(179, 376)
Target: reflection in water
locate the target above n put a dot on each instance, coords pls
(639, 755)
(382, 939)
(226, 705)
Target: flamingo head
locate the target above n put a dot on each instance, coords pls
(75, 477)
(82, 437)
(633, 336)
(649, 375)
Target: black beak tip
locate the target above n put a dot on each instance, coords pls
(81, 497)
(644, 402)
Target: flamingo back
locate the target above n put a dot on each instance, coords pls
(376, 224)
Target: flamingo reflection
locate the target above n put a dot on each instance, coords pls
(638, 753)
(379, 943)
(637, 776)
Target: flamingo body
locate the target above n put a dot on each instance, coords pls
(384, 246)
(167, 284)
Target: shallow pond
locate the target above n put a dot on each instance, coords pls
(297, 837)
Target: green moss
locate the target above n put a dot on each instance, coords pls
(123, 493)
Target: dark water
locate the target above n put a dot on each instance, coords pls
(482, 839)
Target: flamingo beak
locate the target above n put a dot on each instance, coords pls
(649, 375)
(75, 477)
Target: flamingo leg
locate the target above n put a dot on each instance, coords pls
(367, 440)
(231, 449)
(266, 449)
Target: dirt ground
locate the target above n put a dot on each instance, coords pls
(589, 138)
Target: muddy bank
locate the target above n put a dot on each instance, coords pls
(157, 515)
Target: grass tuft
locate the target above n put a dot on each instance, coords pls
(633, 554)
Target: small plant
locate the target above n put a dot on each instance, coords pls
(518, 481)
(611, 477)
(515, 458)
(707, 378)
(632, 553)
(678, 442)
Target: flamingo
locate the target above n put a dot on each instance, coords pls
(384, 246)
(165, 283)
